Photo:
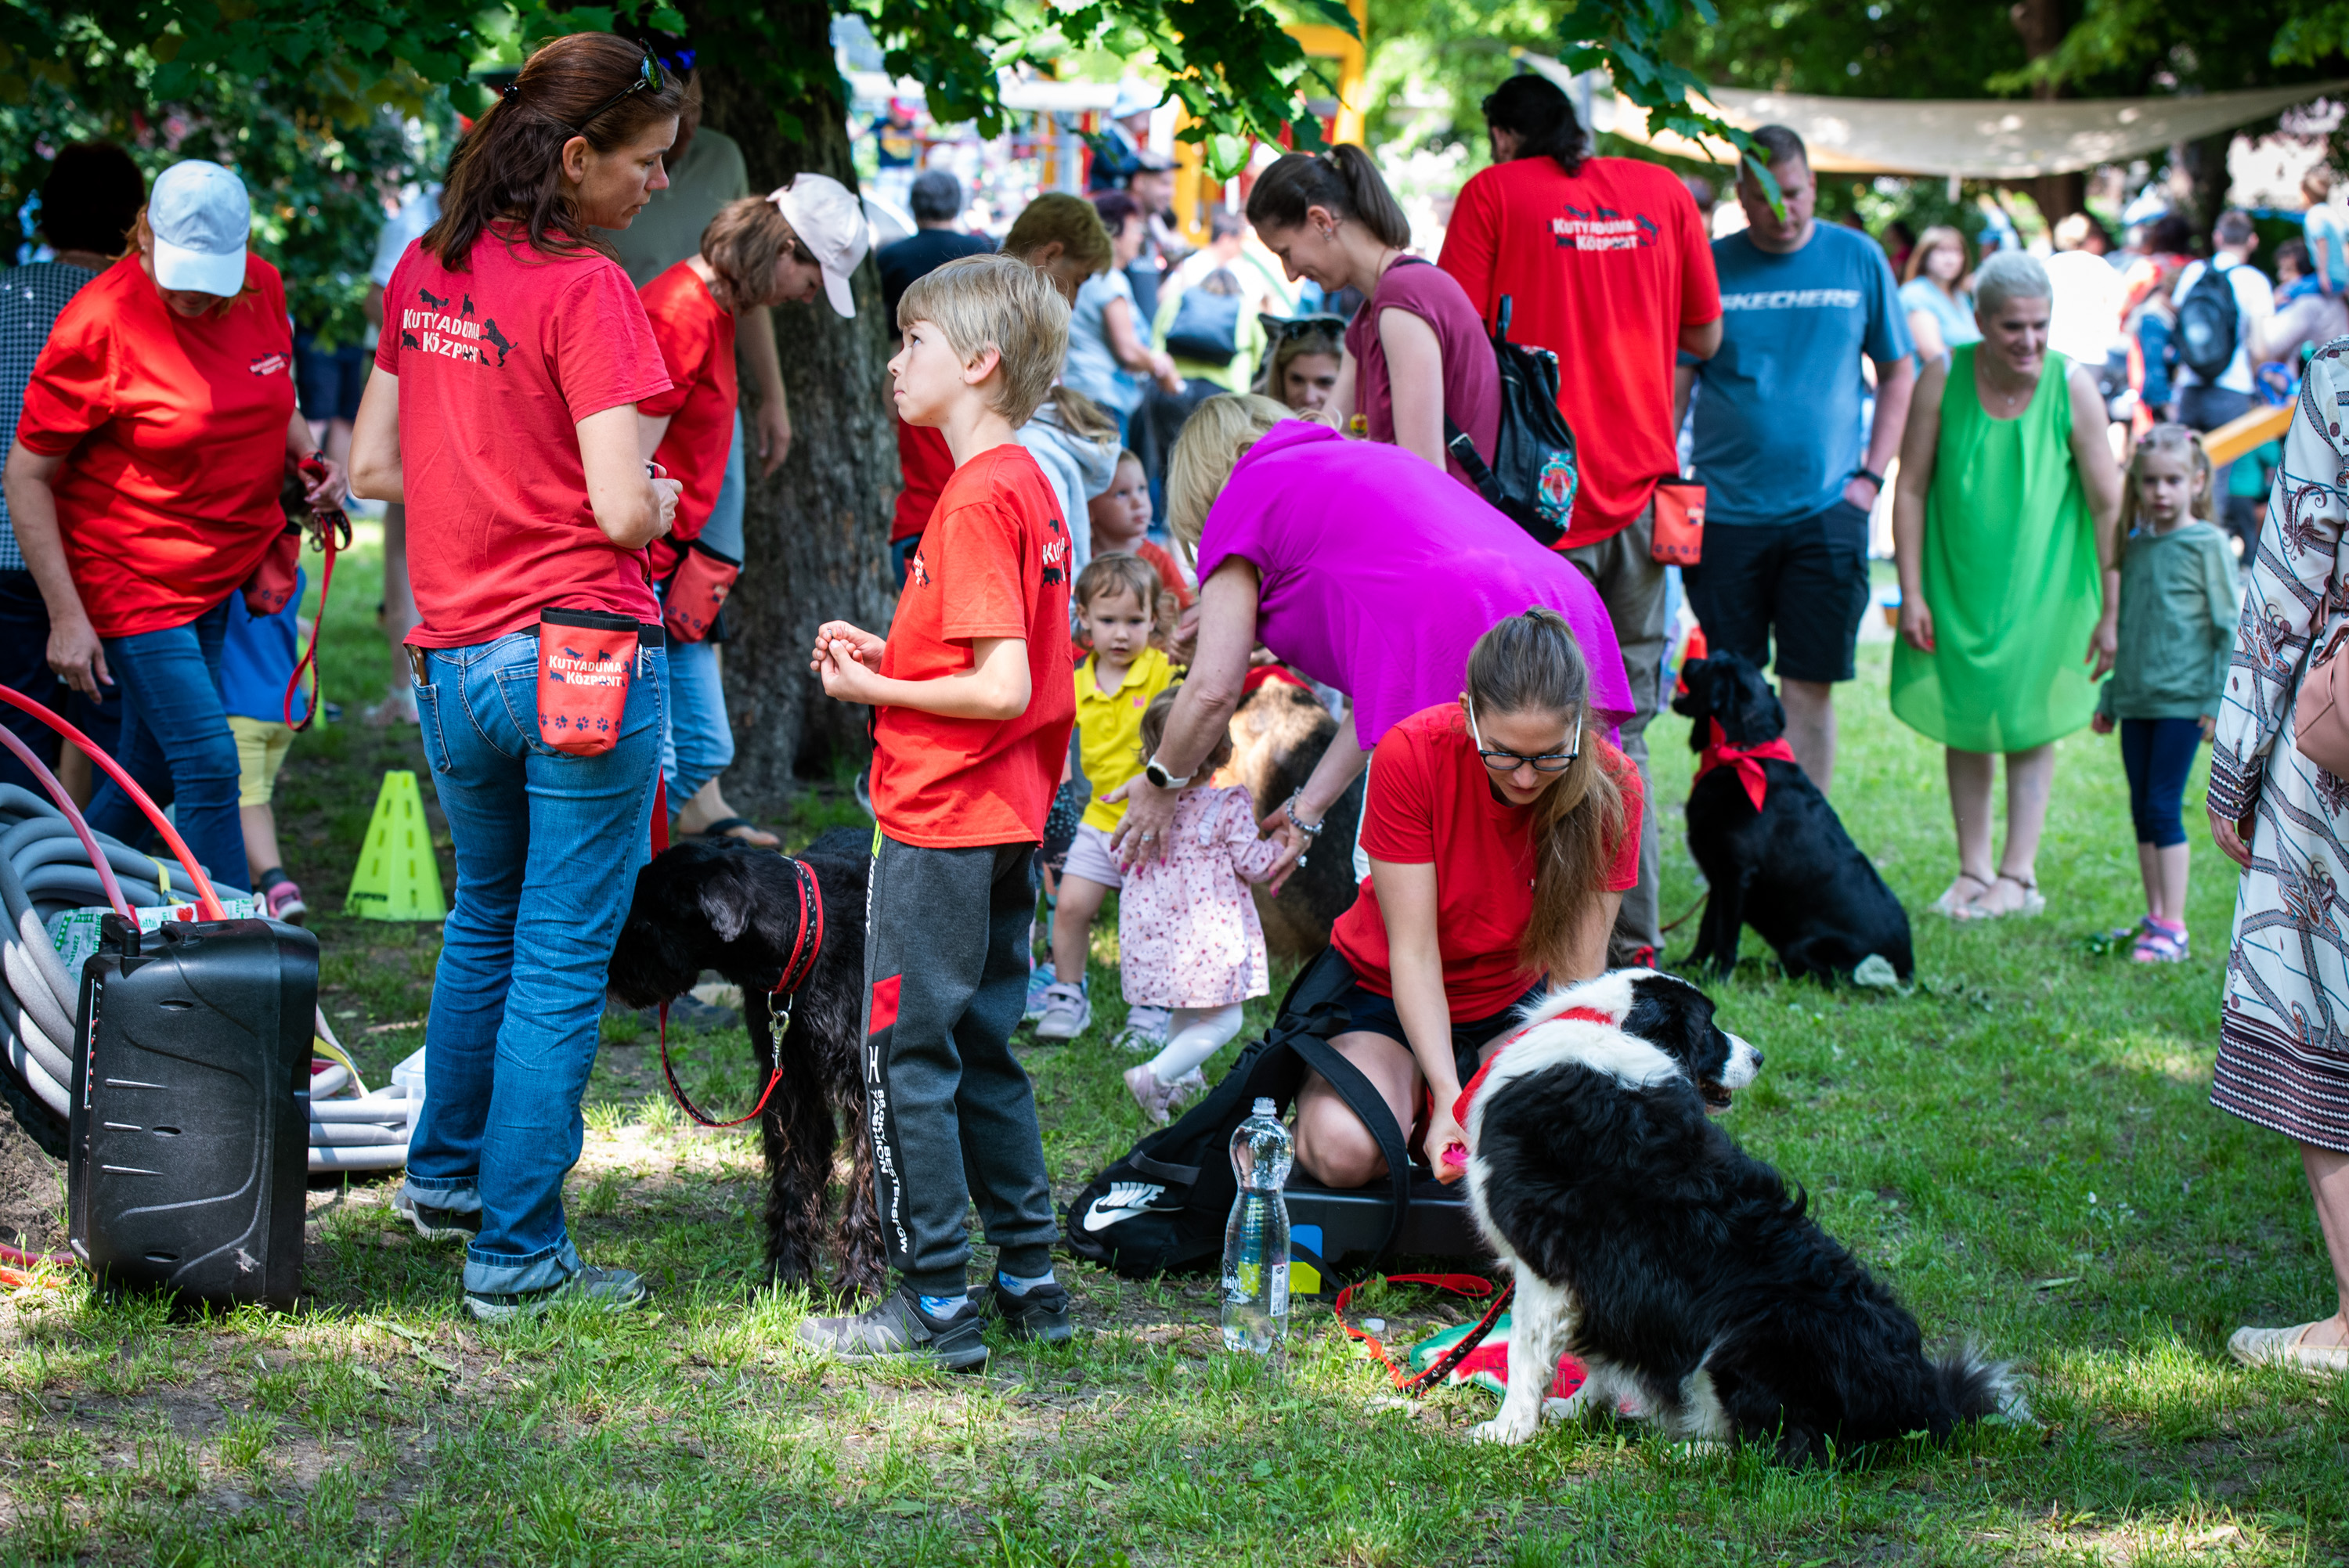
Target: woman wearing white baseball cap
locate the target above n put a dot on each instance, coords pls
(144, 485)
(504, 414)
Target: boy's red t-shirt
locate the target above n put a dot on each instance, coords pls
(1430, 802)
(696, 334)
(1602, 268)
(924, 466)
(176, 430)
(993, 562)
(497, 366)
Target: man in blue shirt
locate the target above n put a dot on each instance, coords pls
(1789, 480)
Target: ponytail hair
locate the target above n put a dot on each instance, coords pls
(1342, 182)
(2170, 440)
(510, 166)
(1530, 663)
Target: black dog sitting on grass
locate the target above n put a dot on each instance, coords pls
(1774, 853)
(741, 911)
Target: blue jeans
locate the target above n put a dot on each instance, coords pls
(699, 744)
(2157, 754)
(548, 847)
(176, 743)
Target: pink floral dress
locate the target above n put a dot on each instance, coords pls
(1187, 932)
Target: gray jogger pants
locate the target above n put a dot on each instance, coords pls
(952, 1114)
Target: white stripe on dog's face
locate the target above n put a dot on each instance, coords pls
(1744, 1063)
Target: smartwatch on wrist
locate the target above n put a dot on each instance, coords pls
(1162, 780)
(1870, 475)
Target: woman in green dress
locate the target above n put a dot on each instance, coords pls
(2002, 524)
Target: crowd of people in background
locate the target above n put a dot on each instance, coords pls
(1138, 469)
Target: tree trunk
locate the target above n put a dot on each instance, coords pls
(2041, 23)
(2207, 179)
(815, 534)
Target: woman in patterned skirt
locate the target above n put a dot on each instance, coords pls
(2283, 1036)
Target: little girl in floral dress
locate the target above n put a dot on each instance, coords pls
(1187, 932)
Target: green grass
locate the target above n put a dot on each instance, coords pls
(2022, 1144)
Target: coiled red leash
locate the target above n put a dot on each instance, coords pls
(1414, 1384)
(796, 969)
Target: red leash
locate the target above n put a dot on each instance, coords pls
(331, 520)
(805, 948)
(1414, 1384)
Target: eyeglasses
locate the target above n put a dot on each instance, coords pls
(647, 80)
(1510, 762)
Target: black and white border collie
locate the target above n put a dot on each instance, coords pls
(1679, 1269)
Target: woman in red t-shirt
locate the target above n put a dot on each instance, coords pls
(504, 414)
(1416, 354)
(1501, 837)
(143, 485)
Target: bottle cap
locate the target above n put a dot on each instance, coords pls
(1264, 1105)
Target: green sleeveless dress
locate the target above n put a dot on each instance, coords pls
(2010, 574)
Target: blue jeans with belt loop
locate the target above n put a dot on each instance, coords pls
(548, 847)
(700, 742)
(176, 742)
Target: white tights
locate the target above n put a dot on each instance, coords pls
(1195, 1034)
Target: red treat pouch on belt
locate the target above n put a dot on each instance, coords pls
(1680, 523)
(585, 660)
(271, 586)
(698, 591)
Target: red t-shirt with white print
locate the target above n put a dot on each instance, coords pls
(497, 366)
(176, 430)
(993, 562)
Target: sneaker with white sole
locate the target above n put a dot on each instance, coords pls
(1152, 1096)
(1066, 1013)
(283, 902)
(1145, 1029)
(897, 1327)
(605, 1290)
(435, 1224)
(1039, 980)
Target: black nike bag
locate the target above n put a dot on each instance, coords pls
(1534, 473)
(1162, 1209)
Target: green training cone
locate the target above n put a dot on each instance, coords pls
(397, 877)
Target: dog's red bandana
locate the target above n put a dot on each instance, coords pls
(1468, 1095)
(1746, 760)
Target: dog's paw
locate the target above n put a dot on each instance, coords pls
(1501, 1429)
(1573, 1408)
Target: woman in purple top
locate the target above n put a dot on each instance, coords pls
(1329, 217)
(1359, 564)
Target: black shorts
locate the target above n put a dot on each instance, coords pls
(330, 380)
(1806, 581)
(1369, 1013)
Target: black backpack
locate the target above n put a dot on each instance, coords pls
(2207, 325)
(1205, 327)
(1533, 475)
(1162, 1209)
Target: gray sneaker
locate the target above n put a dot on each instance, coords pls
(436, 1224)
(1042, 1314)
(605, 1290)
(1066, 1014)
(1145, 1029)
(897, 1326)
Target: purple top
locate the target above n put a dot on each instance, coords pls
(1379, 573)
(1472, 383)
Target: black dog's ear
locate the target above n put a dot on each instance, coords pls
(1759, 712)
(1677, 1020)
(726, 902)
(1689, 702)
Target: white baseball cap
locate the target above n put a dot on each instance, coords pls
(830, 221)
(201, 216)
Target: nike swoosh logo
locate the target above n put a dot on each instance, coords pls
(1121, 1203)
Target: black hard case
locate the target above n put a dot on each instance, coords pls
(188, 1154)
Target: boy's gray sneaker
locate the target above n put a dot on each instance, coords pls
(1042, 1314)
(1066, 1014)
(436, 1225)
(606, 1290)
(896, 1326)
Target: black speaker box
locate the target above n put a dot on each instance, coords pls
(188, 1153)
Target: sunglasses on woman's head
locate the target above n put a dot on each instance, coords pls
(647, 80)
(1510, 762)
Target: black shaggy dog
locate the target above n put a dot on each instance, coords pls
(1689, 1281)
(1789, 870)
(735, 909)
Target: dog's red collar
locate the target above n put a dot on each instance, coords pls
(805, 950)
(1746, 760)
(1468, 1094)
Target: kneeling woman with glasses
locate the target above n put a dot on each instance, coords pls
(1501, 836)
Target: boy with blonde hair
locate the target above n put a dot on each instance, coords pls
(975, 706)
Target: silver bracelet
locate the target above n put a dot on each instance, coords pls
(1289, 809)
